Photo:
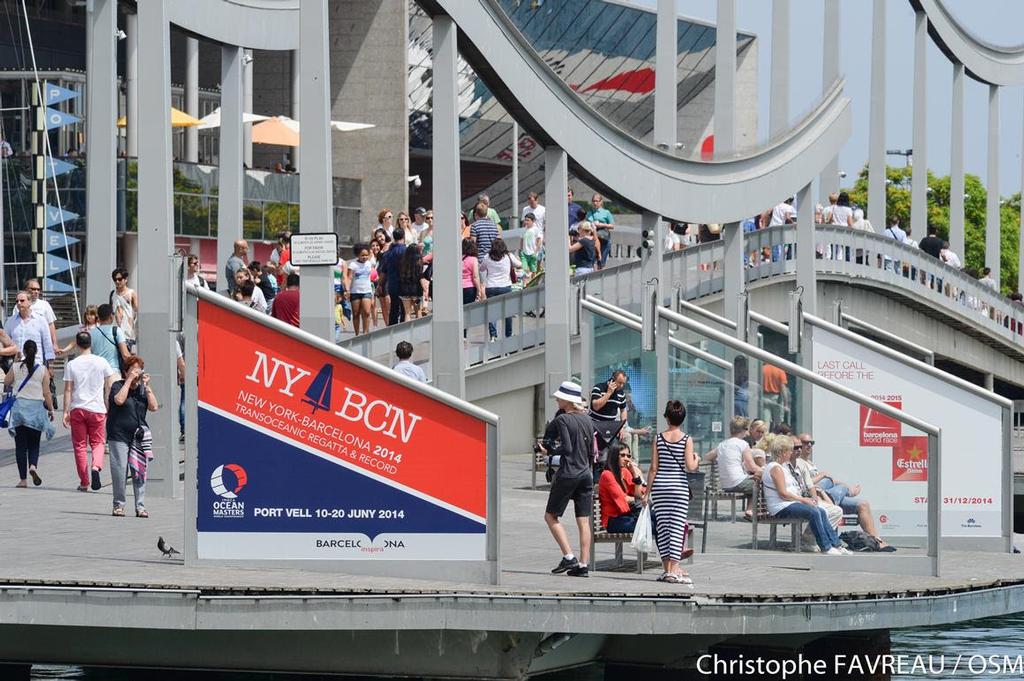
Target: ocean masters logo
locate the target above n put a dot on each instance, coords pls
(226, 482)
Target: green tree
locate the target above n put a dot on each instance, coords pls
(898, 204)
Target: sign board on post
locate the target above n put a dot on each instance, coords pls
(314, 248)
(861, 446)
(305, 454)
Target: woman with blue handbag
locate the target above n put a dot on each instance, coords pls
(31, 413)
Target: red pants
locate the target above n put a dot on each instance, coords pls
(88, 431)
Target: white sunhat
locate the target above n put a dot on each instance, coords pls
(570, 392)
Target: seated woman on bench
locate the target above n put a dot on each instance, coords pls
(620, 488)
(783, 498)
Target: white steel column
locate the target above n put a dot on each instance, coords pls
(829, 181)
(876, 137)
(131, 84)
(316, 183)
(229, 199)
(447, 352)
(515, 222)
(734, 276)
(666, 54)
(101, 148)
(155, 240)
(556, 278)
(652, 269)
(248, 66)
(805, 253)
(919, 177)
(296, 103)
(992, 236)
(778, 112)
(1020, 231)
(192, 98)
(956, 165)
(725, 79)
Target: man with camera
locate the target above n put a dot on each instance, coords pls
(574, 478)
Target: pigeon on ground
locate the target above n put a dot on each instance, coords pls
(168, 551)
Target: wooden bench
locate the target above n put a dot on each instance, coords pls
(599, 535)
(540, 465)
(713, 493)
(761, 517)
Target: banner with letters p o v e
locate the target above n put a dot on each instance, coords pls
(303, 455)
(860, 446)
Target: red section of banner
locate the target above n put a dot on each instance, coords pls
(910, 459)
(879, 430)
(281, 384)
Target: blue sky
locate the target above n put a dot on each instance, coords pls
(995, 21)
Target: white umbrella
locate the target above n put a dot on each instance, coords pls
(340, 126)
(212, 120)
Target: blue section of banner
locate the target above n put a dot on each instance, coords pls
(56, 118)
(53, 94)
(58, 167)
(52, 286)
(55, 265)
(288, 489)
(56, 240)
(54, 216)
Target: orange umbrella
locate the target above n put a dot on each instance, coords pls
(275, 131)
(179, 119)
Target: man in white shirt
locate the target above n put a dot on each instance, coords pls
(987, 280)
(25, 325)
(42, 308)
(87, 381)
(949, 257)
(533, 206)
(404, 352)
(419, 226)
(783, 214)
(735, 463)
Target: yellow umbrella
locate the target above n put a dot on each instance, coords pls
(179, 119)
(275, 131)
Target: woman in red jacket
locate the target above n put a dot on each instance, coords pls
(620, 488)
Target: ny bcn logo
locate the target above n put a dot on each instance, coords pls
(227, 481)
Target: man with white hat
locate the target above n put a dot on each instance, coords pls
(574, 479)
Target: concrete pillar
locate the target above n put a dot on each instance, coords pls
(556, 277)
(992, 237)
(101, 148)
(805, 253)
(665, 79)
(829, 181)
(131, 84)
(296, 101)
(778, 111)
(725, 79)
(734, 276)
(447, 358)
(876, 136)
(990, 381)
(192, 98)
(156, 241)
(315, 181)
(229, 201)
(919, 177)
(247, 70)
(956, 165)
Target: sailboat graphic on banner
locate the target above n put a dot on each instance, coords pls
(318, 395)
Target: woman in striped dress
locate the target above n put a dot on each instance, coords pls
(669, 492)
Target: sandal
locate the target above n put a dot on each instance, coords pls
(34, 474)
(663, 578)
(118, 512)
(678, 579)
(141, 513)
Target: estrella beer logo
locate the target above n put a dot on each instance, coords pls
(226, 481)
(879, 430)
(910, 459)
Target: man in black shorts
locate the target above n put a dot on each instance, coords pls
(574, 479)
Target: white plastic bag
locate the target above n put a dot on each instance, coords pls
(643, 535)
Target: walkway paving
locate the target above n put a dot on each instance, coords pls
(55, 534)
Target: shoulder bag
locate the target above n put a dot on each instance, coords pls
(8, 403)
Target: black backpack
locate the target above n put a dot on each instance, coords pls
(858, 540)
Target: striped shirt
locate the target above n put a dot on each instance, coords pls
(485, 232)
(611, 408)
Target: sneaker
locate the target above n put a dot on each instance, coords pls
(833, 552)
(565, 564)
(809, 548)
(578, 571)
(96, 479)
(845, 551)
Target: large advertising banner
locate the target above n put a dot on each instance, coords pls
(305, 456)
(889, 460)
